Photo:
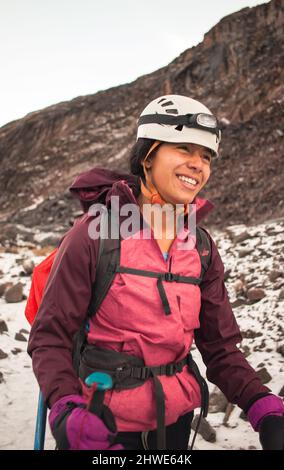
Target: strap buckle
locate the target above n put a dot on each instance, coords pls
(145, 372)
(170, 369)
(169, 277)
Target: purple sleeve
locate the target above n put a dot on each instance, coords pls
(62, 312)
(217, 340)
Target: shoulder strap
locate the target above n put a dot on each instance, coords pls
(108, 260)
(203, 246)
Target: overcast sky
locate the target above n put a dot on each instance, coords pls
(55, 50)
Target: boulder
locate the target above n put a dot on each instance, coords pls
(238, 302)
(263, 375)
(245, 252)
(24, 331)
(14, 293)
(251, 334)
(281, 295)
(255, 294)
(4, 286)
(16, 351)
(280, 349)
(205, 429)
(28, 266)
(217, 402)
(274, 274)
(3, 355)
(3, 326)
(20, 337)
(241, 237)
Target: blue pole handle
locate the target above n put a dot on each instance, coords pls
(40, 423)
(104, 382)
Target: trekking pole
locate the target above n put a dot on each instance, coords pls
(100, 382)
(40, 423)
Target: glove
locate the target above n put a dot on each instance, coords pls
(76, 428)
(271, 433)
(266, 415)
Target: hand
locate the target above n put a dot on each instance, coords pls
(76, 428)
(271, 432)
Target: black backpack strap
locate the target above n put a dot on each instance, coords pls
(203, 247)
(107, 262)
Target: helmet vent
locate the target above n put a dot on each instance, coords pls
(160, 101)
(168, 103)
(172, 111)
(179, 127)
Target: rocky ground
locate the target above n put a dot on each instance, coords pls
(253, 258)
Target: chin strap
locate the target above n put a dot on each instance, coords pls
(149, 191)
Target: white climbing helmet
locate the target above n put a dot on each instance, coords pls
(177, 118)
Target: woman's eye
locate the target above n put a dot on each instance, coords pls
(205, 156)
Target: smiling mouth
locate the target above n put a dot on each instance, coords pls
(188, 182)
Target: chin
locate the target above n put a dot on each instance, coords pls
(183, 200)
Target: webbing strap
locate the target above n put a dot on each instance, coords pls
(160, 412)
(168, 277)
(202, 384)
(145, 372)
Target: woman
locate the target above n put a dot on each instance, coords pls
(147, 322)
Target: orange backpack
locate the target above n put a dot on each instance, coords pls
(39, 279)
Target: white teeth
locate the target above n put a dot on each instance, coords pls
(188, 180)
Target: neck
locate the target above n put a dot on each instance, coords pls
(142, 201)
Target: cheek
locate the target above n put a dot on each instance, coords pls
(161, 176)
(206, 176)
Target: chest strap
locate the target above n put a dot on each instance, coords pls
(167, 277)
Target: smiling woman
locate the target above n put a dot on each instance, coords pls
(160, 298)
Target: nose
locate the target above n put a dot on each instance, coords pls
(195, 161)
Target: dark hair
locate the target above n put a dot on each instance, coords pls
(138, 153)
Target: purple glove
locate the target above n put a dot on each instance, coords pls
(265, 406)
(76, 428)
